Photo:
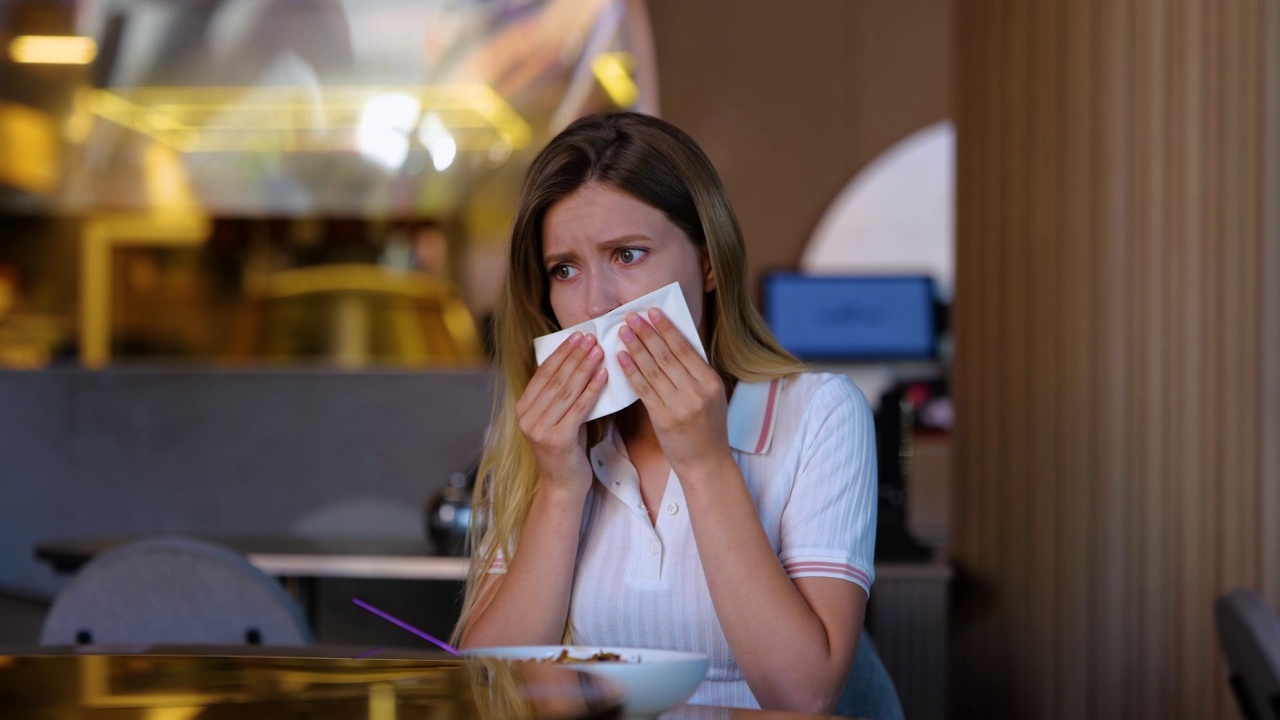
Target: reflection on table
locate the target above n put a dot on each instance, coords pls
(211, 683)
(202, 683)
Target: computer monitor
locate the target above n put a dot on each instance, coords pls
(853, 317)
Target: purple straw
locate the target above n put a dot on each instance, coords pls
(396, 621)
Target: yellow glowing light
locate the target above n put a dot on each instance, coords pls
(289, 119)
(29, 150)
(53, 49)
(613, 70)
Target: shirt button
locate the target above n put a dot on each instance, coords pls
(672, 508)
(653, 548)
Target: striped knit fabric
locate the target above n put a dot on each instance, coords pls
(806, 447)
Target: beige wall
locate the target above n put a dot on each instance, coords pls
(790, 99)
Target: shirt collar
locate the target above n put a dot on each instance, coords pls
(752, 415)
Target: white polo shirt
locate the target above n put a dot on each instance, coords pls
(806, 447)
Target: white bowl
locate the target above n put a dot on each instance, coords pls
(652, 681)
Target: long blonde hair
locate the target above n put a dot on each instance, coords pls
(658, 164)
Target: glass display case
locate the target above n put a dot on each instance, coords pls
(270, 181)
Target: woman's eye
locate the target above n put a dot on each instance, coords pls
(631, 255)
(563, 272)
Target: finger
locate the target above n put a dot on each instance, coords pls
(561, 388)
(637, 379)
(644, 375)
(548, 369)
(577, 413)
(680, 346)
(571, 411)
(654, 357)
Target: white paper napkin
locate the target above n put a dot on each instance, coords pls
(617, 391)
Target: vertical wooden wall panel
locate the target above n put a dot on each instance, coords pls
(1110, 389)
(1074, 112)
(1117, 350)
(1268, 39)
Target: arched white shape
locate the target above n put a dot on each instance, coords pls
(896, 216)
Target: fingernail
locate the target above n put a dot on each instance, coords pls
(624, 359)
(655, 314)
(588, 339)
(575, 339)
(626, 334)
(633, 320)
(602, 373)
(596, 353)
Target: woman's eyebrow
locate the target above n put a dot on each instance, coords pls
(610, 244)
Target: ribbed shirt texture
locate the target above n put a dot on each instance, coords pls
(806, 448)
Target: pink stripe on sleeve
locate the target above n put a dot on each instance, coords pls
(814, 566)
(499, 564)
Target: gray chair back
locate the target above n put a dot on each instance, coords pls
(173, 591)
(1250, 633)
(869, 692)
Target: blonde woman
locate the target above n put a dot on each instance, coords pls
(731, 511)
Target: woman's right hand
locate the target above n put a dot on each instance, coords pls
(529, 604)
(554, 407)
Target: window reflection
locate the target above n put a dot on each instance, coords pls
(273, 124)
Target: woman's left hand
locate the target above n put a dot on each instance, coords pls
(684, 395)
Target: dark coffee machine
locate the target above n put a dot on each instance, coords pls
(449, 516)
(906, 408)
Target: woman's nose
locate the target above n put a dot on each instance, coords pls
(602, 295)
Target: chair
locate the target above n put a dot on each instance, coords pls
(869, 692)
(1250, 633)
(173, 591)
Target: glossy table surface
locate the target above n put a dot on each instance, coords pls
(188, 683)
(216, 683)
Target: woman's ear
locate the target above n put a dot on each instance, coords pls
(708, 273)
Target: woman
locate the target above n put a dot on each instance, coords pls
(730, 511)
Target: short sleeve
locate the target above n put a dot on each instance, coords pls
(828, 526)
(499, 565)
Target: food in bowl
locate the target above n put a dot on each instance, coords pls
(599, 656)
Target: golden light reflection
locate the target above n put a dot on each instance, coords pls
(166, 180)
(298, 119)
(382, 702)
(613, 70)
(174, 713)
(28, 148)
(100, 234)
(53, 49)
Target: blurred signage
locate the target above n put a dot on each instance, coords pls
(853, 317)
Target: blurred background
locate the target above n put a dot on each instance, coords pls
(249, 251)
(239, 182)
(331, 183)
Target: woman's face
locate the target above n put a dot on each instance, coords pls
(602, 248)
